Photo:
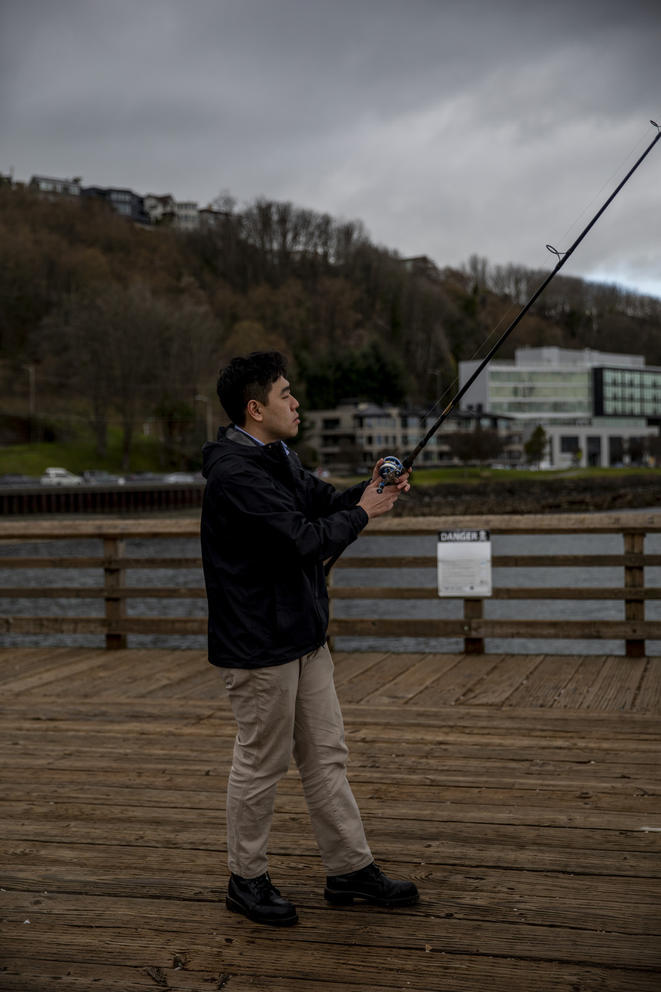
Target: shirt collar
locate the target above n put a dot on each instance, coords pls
(256, 439)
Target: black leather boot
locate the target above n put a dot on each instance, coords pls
(259, 900)
(371, 885)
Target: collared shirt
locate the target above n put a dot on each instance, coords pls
(256, 439)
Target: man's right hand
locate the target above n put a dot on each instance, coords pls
(376, 504)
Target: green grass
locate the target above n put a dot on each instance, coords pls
(442, 476)
(463, 475)
(78, 455)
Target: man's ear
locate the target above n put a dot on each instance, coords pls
(254, 410)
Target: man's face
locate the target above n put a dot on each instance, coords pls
(279, 418)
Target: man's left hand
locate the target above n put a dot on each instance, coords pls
(403, 483)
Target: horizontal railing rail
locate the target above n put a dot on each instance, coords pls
(113, 565)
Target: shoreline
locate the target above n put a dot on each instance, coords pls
(531, 496)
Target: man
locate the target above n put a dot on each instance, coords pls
(267, 527)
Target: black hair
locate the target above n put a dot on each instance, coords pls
(248, 378)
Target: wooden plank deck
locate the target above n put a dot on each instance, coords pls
(522, 793)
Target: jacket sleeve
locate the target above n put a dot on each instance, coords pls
(267, 512)
(325, 499)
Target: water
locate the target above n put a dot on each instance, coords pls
(177, 548)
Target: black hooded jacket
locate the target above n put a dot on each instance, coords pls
(267, 527)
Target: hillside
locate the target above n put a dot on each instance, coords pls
(109, 324)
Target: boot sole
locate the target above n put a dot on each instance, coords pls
(283, 921)
(347, 898)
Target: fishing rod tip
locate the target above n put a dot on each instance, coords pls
(657, 126)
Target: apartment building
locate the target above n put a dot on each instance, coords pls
(351, 437)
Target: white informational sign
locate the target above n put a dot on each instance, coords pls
(464, 563)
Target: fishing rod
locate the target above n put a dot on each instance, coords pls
(392, 467)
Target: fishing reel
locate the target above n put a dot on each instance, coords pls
(390, 472)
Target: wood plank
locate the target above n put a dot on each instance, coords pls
(458, 679)
(504, 678)
(648, 698)
(256, 961)
(564, 561)
(370, 681)
(500, 592)
(648, 521)
(59, 668)
(396, 801)
(421, 672)
(16, 663)
(351, 665)
(59, 913)
(596, 629)
(574, 693)
(337, 592)
(96, 561)
(546, 683)
(492, 893)
(98, 592)
(616, 685)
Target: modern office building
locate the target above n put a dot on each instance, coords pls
(596, 408)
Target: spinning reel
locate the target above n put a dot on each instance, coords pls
(390, 472)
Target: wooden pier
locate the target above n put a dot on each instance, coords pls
(522, 793)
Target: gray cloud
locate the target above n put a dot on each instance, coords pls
(450, 128)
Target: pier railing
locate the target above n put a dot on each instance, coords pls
(113, 564)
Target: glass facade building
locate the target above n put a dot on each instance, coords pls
(627, 392)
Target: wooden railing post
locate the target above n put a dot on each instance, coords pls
(113, 581)
(634, 581)
(473, 611)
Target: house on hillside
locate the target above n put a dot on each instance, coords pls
(183, 215)
(51, 187)
(123, 201)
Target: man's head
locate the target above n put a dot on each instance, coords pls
(255, 394)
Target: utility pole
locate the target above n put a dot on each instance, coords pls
(32, 401)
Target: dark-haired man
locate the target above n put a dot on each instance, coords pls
(267, 527)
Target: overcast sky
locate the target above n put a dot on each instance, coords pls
(449, 127)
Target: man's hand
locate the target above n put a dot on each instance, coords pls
(402, 482)
(374, 503)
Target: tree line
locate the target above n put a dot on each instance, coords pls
(124, 323)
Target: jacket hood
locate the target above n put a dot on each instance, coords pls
(230, 442)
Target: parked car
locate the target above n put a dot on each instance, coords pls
(99, 477)
(139, 478)
(60, 477)
(179, 477)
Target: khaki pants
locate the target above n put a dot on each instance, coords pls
(279, 710)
